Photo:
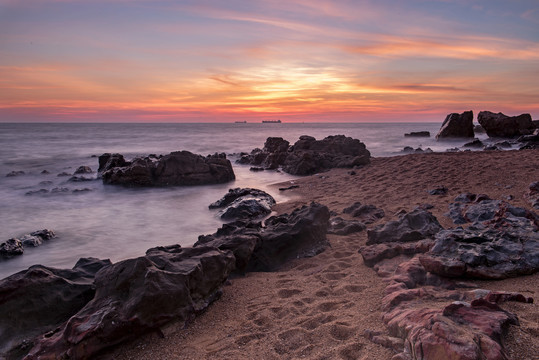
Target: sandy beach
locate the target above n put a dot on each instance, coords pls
(320, 307)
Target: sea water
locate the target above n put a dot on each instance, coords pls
(113, 222)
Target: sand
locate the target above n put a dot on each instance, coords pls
(319, 308)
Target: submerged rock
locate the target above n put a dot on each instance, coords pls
(83, 170)
(15, 173)
(176, 168)
(457, 126)
(500, 125)
(418, 134)
(16, 246)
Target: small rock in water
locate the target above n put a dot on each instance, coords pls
(78, 191)
(256, 168)
(45, 183)
(36, 192)
(59, 190)
(15, 173)
(84, 170)
(45, 172)
(63, 174)
(11, 247)
(418, 134)
(79, 179)
(476, 143)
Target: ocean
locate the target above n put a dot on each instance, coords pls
(112, 222)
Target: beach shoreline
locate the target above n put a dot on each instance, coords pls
(321, 307)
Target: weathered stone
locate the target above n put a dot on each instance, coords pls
(475, 143)
(11, 247)
(533, 194)
(439, 190)
(339, 226)
(500, 125)
(38, 300)
(109, 161)
(83, 170)
(139, 295)
(418, 134)
(457, 126)
(375, 253)
(367, 214)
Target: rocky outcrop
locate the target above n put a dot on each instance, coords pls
(244, 203)
(301, 233)
(308, 155)
(15, 246)
(176, 168)
(139, 295)
(418, 134)
(500, 125)
(457, 126)
(38, 300)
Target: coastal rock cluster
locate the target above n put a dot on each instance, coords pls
(244, 203)
(429, 308)
(176, 168)
(15, 246)
(308, 155)
(457, 126)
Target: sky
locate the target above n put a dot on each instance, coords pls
(294, 60)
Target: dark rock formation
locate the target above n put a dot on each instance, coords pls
(413, 226)
(83, 170)
(457, 126)
(301, 233)
(244, 203)
(418, 134)
(177, 168)
(500, 125)
(367, 214)
(339, 226)
(63, 173)
(478, 129)
(38, 300)
(139, 295)
(15, 173)
(80, 179)
(16, 246)
(308, 155)
(439, 190)
(529, 141)
(475, 143)
(533, 194)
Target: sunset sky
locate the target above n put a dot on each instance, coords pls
(304, 60)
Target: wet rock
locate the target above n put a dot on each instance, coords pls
(79, 191)
(58, 190)
(407, 149)
(413, 226)
(37, 192)
(367, 214)
(504, 144)
(490, 148)
(256, 168)
(308, 155)
(62, 174)
(11, 247)
(38, 300)
(83, 170)
(457, 126)
(339, 226)
(301, 233)
(45, 183)
(244, 203)
(140, 295)
(418, 134)
(15, 173)
(500, 125)
(476, 143)
(80, 179)
(176, 168)
(45, 172)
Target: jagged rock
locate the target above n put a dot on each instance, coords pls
(475, 143)
(237, 193)
(244, 203)
(16, 246)
(500, 125)
(301, 233)
(413, 226)
(530, 141)
(38, 300)
(308, 155)
(533, 194)
(11, 247)
(457, 126)
(176, 168)
(504, 144)
(367, 214)
(373, 254)
(15, 173)
(418, 134)
(83, 170)
(137, 296)
(289, 187)
(502, 242)
(339, 226)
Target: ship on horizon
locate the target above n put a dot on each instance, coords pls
(271, 121)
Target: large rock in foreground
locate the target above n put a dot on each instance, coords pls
(308, 155)
(176, 168)
(38, 300)
(500, 125)
(139, 295)
(301, 233)
(457, 126)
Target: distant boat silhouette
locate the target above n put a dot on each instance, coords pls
(271, 121)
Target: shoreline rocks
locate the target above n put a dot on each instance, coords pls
(457, 126)
(501, 125)
(15, 246)
(176, 168)
(244, 203)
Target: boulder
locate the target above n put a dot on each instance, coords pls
(38, 300)
(16, 246)
(176, 168)
(416, 225)
(457, 126)
(137, 296)
(418, 134)
(301, 233)
(238, 193)
(308, 155)
(244, 203)
(11, 248)
(500, 125)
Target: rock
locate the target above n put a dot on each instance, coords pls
(476, 143)
(289, 187)
(237, 193)
(256, 168)
(530, 141)
(140, 295)
(407, 149)
(37, 192)
(413, 226)
(418, 134)
(439, 190)
(502, 242)
(490, 148)
(45, 183)
(339, 226)
(244, 203)
(301, 233)
(373, 254)
(478, 129)
(57, 190)
(457, 126)
(63, 174)
(504, 144)
(38, 300)
(83, 190)
(308, 155)
(176, 168)
(367, 214)
(80, 179)
(11, 248)
(533, 194)
(83, 170)
(15, 173)
(500, 125)
(45, 172)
